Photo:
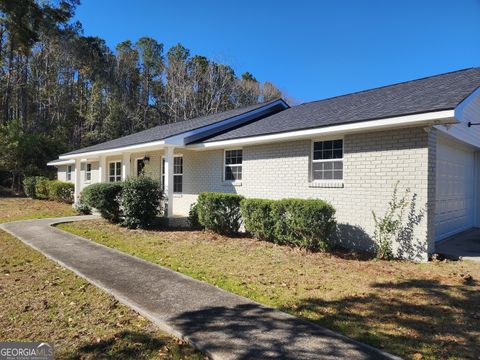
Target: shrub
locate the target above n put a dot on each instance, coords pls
(258, 218)
(140, 201)
(29, 186)
(388, 227)
(307, 223)
(60, 191)
(105, 198)
(82, 208)
(41, 187)
(220, 212)
(193, 217)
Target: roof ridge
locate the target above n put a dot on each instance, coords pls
(385, 86)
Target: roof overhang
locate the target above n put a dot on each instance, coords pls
(444, 117)
(149, 146)
(60, 162)
(468, 111)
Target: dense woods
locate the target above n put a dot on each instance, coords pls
(61, 90)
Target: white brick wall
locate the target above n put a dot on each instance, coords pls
(373, 163)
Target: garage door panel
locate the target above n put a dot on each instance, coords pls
(454, 191)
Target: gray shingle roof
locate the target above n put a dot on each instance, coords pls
(164, 131)
(435, 93)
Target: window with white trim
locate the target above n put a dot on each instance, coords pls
(115, 171)
(233, 165)
(88, 172)
(177, 174)
(327, 160)
(69, 173)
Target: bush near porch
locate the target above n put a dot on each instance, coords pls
(105, 198)
(60, 191)
(140, 201)
(135, 202)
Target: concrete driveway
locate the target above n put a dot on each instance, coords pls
(463, 246)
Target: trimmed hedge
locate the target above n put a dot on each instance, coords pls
(307, 223)
(29, 186)
(41, 187)
(140, 201)
(220, 212)
(82, 208)
(105, 198)
(193, 217)
(60, 191)
(258, 218)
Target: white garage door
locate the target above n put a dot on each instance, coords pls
(455, 184)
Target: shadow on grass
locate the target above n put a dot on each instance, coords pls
(129, 345)
(441, 319)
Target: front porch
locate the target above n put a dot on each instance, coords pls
(162, 164)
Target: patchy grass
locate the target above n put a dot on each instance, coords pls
(414, 310)
(41, 301)
(12, 209)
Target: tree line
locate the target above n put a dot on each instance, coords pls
(61, 90)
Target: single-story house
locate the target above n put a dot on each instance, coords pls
(350, 150)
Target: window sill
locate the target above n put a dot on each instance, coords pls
(177, 195)
(326, 184)
(232, 183)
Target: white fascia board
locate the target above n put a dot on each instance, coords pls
(59, 163)
(186, 137)
(423, 119)
(150, 146)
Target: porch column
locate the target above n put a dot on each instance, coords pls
(168, 186)
(78, 167)
(102, 168)
(125, 166)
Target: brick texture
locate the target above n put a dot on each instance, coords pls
(373, 163)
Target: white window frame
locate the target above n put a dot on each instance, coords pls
(162, 173)
(312, 161)
(88, 173)
(115, 175)
(69, 172)
(234, 182)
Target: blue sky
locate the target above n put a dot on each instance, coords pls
(310, 49)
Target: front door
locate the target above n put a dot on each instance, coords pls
(140, 166)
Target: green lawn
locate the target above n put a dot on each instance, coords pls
(413, 310)
(41, 301)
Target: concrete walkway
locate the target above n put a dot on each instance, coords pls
(463, 246)
(221, 324)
